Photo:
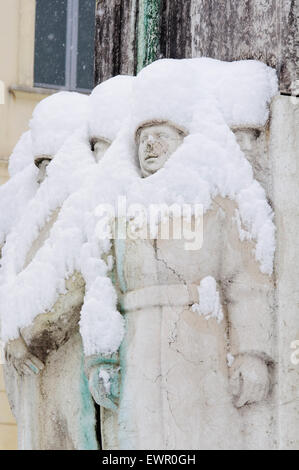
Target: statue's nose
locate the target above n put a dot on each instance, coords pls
(149, 145)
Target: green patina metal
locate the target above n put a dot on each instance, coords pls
(148, 32)
(34, 369)
(120, 246)
(87, 416)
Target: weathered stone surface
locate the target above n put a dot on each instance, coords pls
(175, 373)
(176, 29)
(115, 46)
(284, 148)
(265, 30)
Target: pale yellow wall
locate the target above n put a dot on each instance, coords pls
(17, 18)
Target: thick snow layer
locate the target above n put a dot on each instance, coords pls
(14, 197)
(207, 164)
(109, 106)
(22, 155)
(17, 192)
(55, 118)
(171, 90)
(209, 300)
(65, 174)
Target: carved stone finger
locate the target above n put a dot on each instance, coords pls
(36, 362)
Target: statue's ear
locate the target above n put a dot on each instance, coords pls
(137, 136)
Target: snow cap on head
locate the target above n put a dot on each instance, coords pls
(110, 104)
(55, 119)
(243, 89)
(162, 94)
(173, 90)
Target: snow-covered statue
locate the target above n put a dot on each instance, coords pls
(110, 109)
(54, 121)
(197, 360)
(178, 331)
(50, 346)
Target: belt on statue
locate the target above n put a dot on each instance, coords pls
(173, 295)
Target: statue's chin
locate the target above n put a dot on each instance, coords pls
(151, 165)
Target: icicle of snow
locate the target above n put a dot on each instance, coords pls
(230, 360)
(209, 300)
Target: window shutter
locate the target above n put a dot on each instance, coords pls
(86, 35)
(50, 43)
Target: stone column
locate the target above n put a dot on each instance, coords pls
(115, 41)
(284, 151)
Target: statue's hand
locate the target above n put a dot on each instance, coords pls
(104, 382)
(250, 380)
(17, 353)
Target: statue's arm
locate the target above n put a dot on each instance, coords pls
(50, 330)
(24, 362)
(249, 297)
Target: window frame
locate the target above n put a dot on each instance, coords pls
(71, 52)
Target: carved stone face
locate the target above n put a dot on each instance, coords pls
(156, 143)
(42, 163)
(99, 148)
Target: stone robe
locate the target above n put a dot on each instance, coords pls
(175, 375)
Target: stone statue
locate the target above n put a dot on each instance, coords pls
(49, 351)
(109, 109)
(35, 384)
(186, 379)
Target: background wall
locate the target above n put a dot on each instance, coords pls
(137, 32)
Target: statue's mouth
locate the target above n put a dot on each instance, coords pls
(149, 157)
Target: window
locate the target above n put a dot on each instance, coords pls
(64, 44)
